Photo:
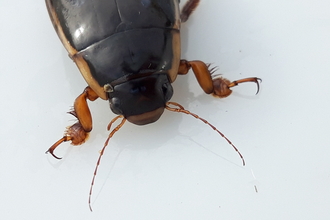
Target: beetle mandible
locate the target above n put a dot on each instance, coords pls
(128, 52)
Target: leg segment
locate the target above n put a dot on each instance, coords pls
(78, 132)
(219, 87)
(187, 9)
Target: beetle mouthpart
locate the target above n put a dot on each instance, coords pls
(146, 118)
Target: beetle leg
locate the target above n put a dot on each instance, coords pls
(78, 132)
(219, 87)
(187, 9)
(222, 85)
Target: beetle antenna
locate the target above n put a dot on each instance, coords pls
(101, 153)
(179, 108)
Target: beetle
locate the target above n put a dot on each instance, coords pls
(128, 52)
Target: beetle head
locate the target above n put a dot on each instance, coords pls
(141, 100)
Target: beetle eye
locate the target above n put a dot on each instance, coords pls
(115, 106)
(136, 90)
(164, 87)
(115, 102)
(167, 91)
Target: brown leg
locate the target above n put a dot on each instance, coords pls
(219, 87)
(78, 132)
(187, 9)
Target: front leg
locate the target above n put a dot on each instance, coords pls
(219, 87)
(78, 132)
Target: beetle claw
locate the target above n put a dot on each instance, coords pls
(75, 133)
(258, 85)
(54, 146)
(222, 86)
(52, 153)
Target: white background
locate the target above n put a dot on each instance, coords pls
(176, 168)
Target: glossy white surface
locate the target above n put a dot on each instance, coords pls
(176, 168)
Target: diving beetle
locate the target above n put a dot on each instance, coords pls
(128, 51)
